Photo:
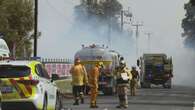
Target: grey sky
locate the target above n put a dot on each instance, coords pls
(161, 17)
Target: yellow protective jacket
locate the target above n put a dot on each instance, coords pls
(118, 72)
(79, 75)
(94, 77)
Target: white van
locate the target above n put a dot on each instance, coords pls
(4, 50)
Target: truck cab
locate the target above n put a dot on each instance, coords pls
(155, 69)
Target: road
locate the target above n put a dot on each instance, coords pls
(157, 98)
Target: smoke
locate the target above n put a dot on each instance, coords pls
(63, 35)
(90, 29)
(165, 25)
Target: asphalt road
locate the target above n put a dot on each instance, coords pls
(157, 98)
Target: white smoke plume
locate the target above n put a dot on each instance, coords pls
(62, 36)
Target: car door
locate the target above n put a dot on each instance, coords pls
(49, 88)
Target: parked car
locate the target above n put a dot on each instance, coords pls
(26, 85)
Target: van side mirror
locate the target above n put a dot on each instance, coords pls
(138, 63)
(54, 77)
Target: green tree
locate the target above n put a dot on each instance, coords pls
(16, 19)
(188, 24)
(99, 12)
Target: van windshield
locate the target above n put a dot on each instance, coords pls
(8, 71)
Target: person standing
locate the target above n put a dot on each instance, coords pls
(134, 81)
(79, 79)
(123, 76)
(93, 84)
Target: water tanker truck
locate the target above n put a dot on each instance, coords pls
(155, 69)
(94, 54)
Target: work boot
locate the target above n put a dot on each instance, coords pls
(93, 105)
(82, 100)
(96, 105)
(76, 102)
(125, 106)
(118, 106)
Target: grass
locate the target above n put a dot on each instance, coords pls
(64, 86)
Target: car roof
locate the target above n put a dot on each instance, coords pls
(18, 63)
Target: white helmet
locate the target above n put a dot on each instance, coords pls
(122, 63)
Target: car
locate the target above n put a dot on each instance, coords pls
(26, 85)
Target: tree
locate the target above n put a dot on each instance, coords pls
(188, 24)
(99, 12)
(192, 2)
(16, 19)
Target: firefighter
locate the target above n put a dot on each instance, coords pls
(79, 79)
(134, 81)
(93, 84)
(123, 76)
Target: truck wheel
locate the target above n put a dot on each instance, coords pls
(108, 91)
(145, 85)
(142, 85)
(169, 87)
(148, 85)
(168, 84)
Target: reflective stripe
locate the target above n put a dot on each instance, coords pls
(24, 90)
(14, 83)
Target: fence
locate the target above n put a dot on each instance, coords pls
(57, 66)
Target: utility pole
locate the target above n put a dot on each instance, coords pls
(149, 38)
(128, 14)
(122, 21)
(137, 25)
(109, 20)
(109, 31)
(35, 27)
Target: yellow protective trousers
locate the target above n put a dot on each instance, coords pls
(122, 94)
(94, 93)
(133, 86)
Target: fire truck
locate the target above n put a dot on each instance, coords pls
(155, 69)
(94, 54)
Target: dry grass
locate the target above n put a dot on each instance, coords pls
(64, 86)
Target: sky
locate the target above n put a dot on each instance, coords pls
(162, 18)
